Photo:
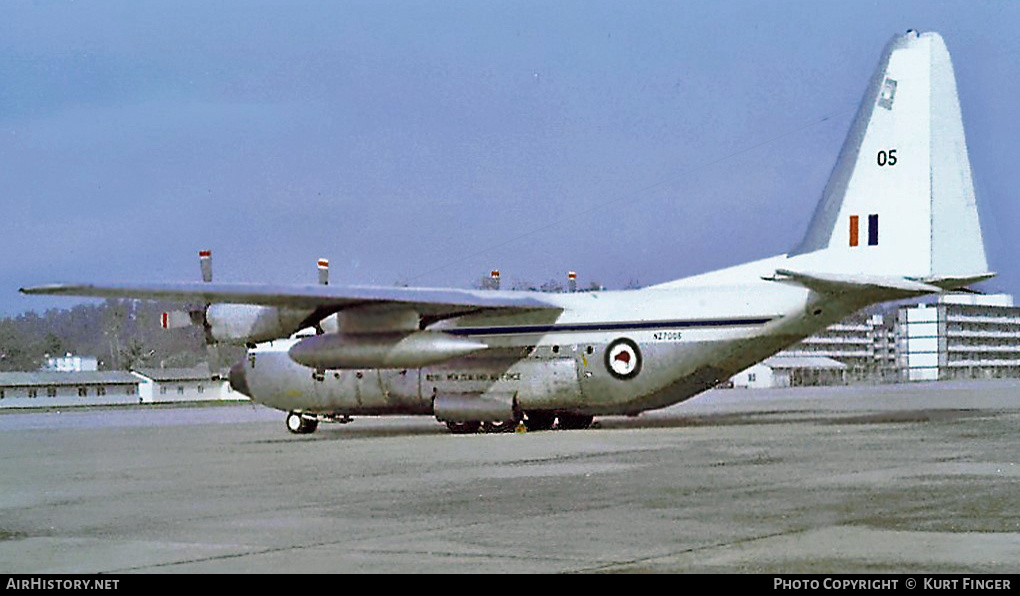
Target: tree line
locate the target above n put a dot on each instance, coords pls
(121, 334)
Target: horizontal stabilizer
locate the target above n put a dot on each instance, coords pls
(957, 283)
(842, 283)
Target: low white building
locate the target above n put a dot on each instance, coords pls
(759, 376)
(791, 371)
(160, 385)
(43, 389)
(40, 389)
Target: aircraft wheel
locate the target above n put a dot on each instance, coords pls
(463, 428)
(539, 420)
(299, 425)
(575, 421)
(501, 426)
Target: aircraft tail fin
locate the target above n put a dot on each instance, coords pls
(900, 200)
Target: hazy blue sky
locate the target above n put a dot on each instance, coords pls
(428, 142)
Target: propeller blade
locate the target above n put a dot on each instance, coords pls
(324, 272)
(205, 260)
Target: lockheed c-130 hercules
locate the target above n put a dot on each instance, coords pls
(897, 219)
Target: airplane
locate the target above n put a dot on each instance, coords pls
(897, 219)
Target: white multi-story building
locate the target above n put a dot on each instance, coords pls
(864, 342)
(960, 336)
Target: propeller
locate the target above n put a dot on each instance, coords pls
(199, 317)
(323, 280)
(319, 373)
(195, 315)
(236, 324)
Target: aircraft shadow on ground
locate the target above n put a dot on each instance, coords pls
(336, 432)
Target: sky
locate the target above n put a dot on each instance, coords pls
(426, 143)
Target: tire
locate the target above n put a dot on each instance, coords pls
(539, 420)
(502, 426)
(464, 428)
(575, 421)
(300, 425)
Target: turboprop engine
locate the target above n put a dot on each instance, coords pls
(239, 323)
(250, 323)
(381, 350)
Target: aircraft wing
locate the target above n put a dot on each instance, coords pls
(427, 301)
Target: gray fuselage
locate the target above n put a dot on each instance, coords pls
(604, 353)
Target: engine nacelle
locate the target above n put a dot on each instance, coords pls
(251, 323)
(381, 350)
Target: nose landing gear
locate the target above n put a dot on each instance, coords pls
(301, 424)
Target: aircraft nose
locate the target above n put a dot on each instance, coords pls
(238, 381)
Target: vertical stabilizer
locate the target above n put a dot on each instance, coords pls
(900, 200)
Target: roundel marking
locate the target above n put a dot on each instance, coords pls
(623, 358)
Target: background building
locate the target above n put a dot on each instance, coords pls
(863, 342)
(958, 336)
(71, 363)
(791, 371)
(50, 389)
(42, 389)
(961, 336)
(183, 385)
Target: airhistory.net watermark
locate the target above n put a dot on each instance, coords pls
(39, 583)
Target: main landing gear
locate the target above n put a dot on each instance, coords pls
(575, 421)
(471, 427)
(464, 428)
(559, 420)
(533, 421)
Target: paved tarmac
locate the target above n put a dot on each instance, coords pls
(909, 478)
